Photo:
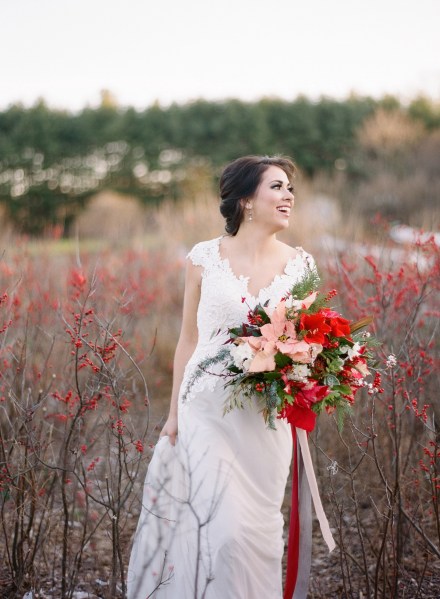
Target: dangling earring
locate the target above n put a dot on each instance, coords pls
(249, 209)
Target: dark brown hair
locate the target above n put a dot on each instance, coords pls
(240, 180)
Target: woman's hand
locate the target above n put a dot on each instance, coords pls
(170, 429)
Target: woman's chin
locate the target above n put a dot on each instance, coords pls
(281, 226)
(273, 227)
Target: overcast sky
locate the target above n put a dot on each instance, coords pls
(177, 50)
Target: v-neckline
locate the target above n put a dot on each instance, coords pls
(245, 280)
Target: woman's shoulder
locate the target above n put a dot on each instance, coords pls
(299, 254)
(292, 252)
(204, 251)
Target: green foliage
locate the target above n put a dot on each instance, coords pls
(145, 152)
(204, 367)
(331, 381)
(334, 363)
(426, 111)
(343, 407)
(273, 400)
(343, 410)
(42, 208)
(370, 342)
(308, 283)
(282, 360)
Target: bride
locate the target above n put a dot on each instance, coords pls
(211, 523)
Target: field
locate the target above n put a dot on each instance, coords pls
(87, 334)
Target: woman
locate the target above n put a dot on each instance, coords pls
(211, 524)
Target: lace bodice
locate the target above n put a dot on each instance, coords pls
(225, 301)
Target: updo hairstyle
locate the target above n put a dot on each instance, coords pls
(240, 180)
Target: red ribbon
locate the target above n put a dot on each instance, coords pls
(299, 417)
(293, 543)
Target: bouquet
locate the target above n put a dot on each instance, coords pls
(299, 359)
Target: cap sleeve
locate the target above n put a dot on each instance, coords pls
(205, 254)
(198, 254)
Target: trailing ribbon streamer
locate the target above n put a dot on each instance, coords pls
(296, 583)
(293, 544)
(310, 473)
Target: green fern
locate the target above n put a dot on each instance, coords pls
(306, 285)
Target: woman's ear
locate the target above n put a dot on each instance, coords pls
(248, 207)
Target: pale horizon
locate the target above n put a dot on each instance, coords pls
(144, 53)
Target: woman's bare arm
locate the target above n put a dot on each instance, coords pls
(186, 344)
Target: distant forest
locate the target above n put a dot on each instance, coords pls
(52, 161)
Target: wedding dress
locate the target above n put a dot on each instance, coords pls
(211, 524)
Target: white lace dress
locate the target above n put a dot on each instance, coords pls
(211, 524)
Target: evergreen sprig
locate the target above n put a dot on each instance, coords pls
(306, 285)
(343, 409)
(204, 367)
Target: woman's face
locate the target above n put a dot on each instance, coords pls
(272, 201)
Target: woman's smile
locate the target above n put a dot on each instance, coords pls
(284, 209)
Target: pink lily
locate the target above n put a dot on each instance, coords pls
(280, 331)
(264, 360)
(302, 352)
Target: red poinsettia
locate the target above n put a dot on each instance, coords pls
(315, 326)
(340, 327)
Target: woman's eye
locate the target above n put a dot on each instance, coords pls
(279, 186)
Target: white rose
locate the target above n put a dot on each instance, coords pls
(299, 372)
(242, 355)
(352, 352)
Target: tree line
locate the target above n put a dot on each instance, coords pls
(51, 161)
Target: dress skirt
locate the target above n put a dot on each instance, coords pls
(211, 523)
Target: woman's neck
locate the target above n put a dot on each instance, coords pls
(254, 241)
